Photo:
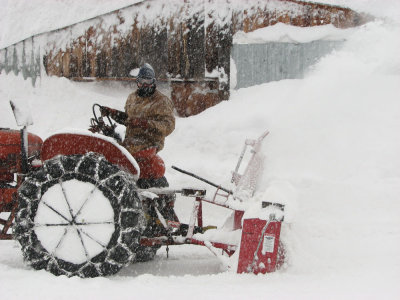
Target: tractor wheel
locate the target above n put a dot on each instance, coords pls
(79, 215)
(144, 253)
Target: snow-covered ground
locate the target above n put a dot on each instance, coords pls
(332, 157)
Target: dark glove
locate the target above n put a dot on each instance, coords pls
(138, 122)
(105, 111)
(94, 128)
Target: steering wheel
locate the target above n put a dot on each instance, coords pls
(97, 124)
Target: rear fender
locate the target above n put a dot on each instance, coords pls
(82, 142)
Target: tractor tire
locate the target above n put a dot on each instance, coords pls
(79, 215)
(145, 253)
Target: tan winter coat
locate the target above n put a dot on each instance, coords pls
(158, 115)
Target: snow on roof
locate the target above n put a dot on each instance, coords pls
(20, 19)
(281, 32)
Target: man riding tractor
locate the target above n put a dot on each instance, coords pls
(149, 118)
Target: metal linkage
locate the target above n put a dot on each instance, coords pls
(202, 179)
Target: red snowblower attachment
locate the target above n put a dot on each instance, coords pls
(258, 224)
(260, 248)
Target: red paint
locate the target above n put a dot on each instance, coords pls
(6, 194)
(237, 219)
(266, 257)
(229, 249)
(6, 222)
(69, 144)
(151, 165)
(199, 212)
(10, 152)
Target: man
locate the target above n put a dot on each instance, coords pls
(149, 118)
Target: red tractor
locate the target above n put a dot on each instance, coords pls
(80, 205)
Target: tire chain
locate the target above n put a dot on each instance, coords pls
(118, 186)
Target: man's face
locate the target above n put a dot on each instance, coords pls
(146, 86)
(143, 82)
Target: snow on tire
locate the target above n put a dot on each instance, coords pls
(79, 215)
